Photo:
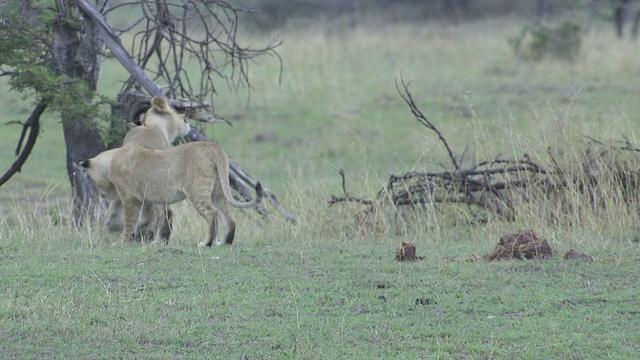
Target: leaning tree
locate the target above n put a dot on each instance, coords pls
(53, 49)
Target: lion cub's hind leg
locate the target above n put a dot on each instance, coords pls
(165, 225)
(227, 220)
(205, 208)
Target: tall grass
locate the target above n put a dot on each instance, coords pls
(336, 107)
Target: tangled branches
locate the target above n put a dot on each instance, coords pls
(488, 185)
(496, 188)
(174, 35)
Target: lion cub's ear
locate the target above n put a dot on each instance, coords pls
(85, 164)
(160, 104)
(140, 120)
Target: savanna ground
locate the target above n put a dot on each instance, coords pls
(318, 288)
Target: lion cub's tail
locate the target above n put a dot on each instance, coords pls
(223, 173)
(253, 203)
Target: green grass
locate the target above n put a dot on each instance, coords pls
(320, 289)
(66, 294)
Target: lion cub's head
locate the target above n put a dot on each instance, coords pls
(98, 169)
(164, 116)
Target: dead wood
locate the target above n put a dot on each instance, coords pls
(606, 175)
(491, 186)
(405, 94)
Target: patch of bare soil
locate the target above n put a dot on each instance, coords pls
(472, 258)
(574, 255)
(523, 245)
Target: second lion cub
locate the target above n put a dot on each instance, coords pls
(161, 125)
(197, 171)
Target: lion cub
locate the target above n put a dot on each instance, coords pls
(198, 171)
(161, 125)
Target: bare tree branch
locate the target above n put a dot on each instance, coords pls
(627, 144)
(112, 41)
(176, 34)
(408, 98)
(347, 197)
(33, 126)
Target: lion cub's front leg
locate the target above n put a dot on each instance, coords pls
(164, 222)
(131, 210)
(115, 221)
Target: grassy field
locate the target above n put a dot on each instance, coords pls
(318, 288)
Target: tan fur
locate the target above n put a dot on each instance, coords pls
(198, 171)
(161, 125)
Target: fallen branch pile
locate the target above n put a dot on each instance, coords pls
(494, 188)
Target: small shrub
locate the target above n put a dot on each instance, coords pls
(561, 42)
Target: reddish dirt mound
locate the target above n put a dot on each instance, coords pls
(407, 252)
(523, 245)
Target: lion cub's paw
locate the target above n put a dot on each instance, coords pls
(119, 243)
(202, 245)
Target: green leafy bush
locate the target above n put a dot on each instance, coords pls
(536, 42)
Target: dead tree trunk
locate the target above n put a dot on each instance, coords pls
(620, 13)
(76, 56)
